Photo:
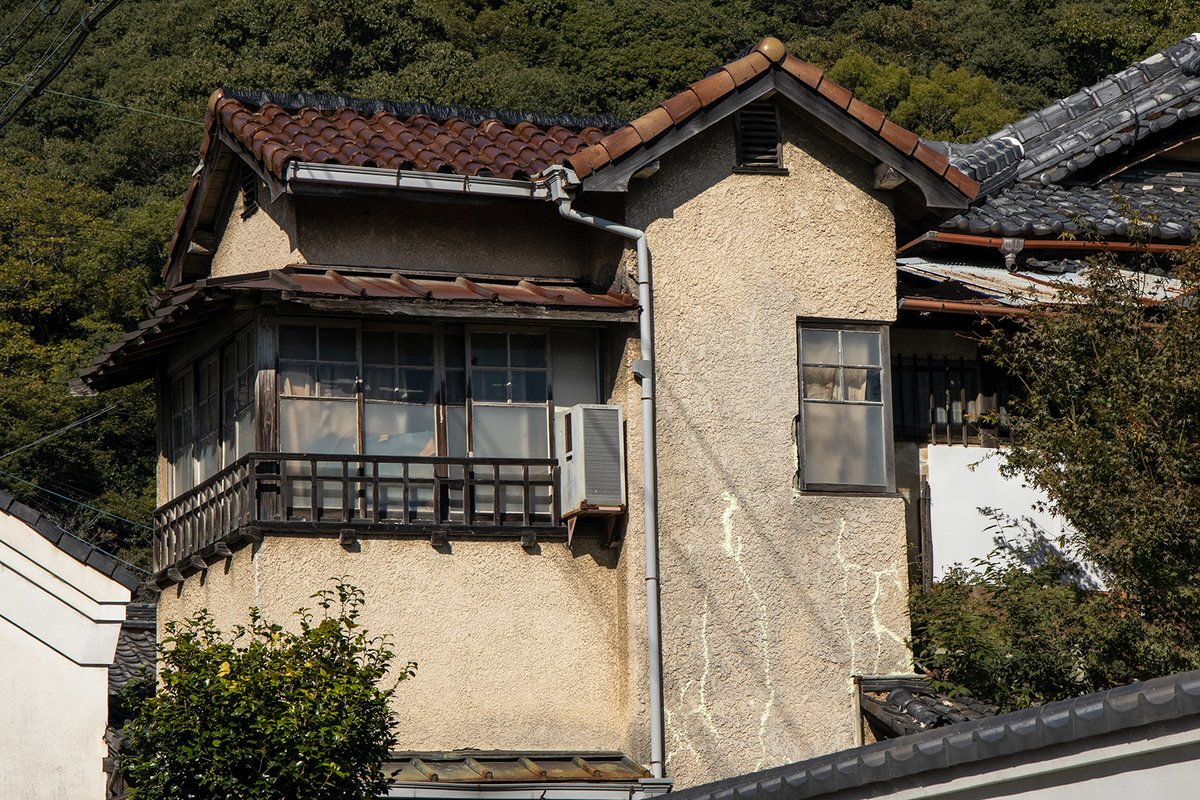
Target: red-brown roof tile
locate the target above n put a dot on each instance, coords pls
(767, 54)
(278, 129)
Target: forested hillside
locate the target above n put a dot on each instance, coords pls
(91, 176)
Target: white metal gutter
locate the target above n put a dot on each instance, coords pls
(559, 180)
(554, 186)
(300, 176)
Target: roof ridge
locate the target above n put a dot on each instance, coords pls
(107, 564)
(296, 101)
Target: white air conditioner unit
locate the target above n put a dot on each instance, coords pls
(590, 445)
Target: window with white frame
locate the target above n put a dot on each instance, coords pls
(844, 430)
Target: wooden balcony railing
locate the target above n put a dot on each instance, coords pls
(279, 492)
(939, 400)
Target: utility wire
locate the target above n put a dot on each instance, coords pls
(73, 500)
(10, 55)
(63, 429)
(89, 22)
(111, 105)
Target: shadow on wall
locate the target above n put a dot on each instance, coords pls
(1021, 540)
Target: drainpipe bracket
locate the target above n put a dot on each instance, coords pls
(642, 369)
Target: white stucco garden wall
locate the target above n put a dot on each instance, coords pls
(59, 622)
(965, 488)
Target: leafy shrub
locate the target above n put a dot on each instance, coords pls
(267, 713)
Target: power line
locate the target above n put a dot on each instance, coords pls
(63, 429)
(73, 500)
(89, 22)
(111, 105)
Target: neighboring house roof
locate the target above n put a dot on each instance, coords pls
(1069, 134)
(919, 758)
(1076, 167)
(172, 316)
(105, 563)
(897, 705)
(1029, 209)
(964, 286)
(135, 647)
(493, 766)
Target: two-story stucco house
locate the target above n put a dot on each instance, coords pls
(595, 413)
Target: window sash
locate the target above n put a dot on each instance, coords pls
(844, 426)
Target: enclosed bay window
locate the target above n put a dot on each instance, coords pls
(844, 431)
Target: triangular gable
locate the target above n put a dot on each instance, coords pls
(609, 164)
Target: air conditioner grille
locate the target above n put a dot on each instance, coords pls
(602, 464)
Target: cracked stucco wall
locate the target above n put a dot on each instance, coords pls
(772, 599)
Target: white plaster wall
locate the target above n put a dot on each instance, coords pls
(59, 622)
(963, 483)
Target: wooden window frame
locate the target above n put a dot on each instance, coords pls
(881, 328)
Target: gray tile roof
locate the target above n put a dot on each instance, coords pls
(1028, 209)
(1071, 133)
(135, 646)
(900, 705)
(104, 563)
(1125, 708)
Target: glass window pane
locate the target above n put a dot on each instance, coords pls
(819, 347)
(297, 378)
(245, 431)
(528, 349)
(416, 385)
(862, 384)
(379, 383)
(843, 444)
(456, 386)
(456, 431)
(489, 350)
(394, 429)
(379, 347)
(860, 347)
(415, 349)
(575, 370)
(528, 386)
(510, 432)
(455, 349)
(298, 342)
(318, 426)
(338, 380)
(820, 383)
(338, 344)
(489, 385)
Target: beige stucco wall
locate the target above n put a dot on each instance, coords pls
(517, 650)
(771, 599)
(264, 240)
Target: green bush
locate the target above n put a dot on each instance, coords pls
(267, 713)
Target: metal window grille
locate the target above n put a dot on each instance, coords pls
(758, 138)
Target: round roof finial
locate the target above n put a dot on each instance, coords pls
(772, 48)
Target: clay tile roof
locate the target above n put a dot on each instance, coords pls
(277, 129)
(764, 57)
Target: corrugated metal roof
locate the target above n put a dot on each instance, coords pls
(1018, 288)
(490, 766)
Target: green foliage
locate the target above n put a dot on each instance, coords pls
(1018, 636)
(945, 104)
(268, 713)
(1108, 426)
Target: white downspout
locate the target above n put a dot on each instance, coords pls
(643, 369)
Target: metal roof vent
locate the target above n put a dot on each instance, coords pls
(758, 147)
